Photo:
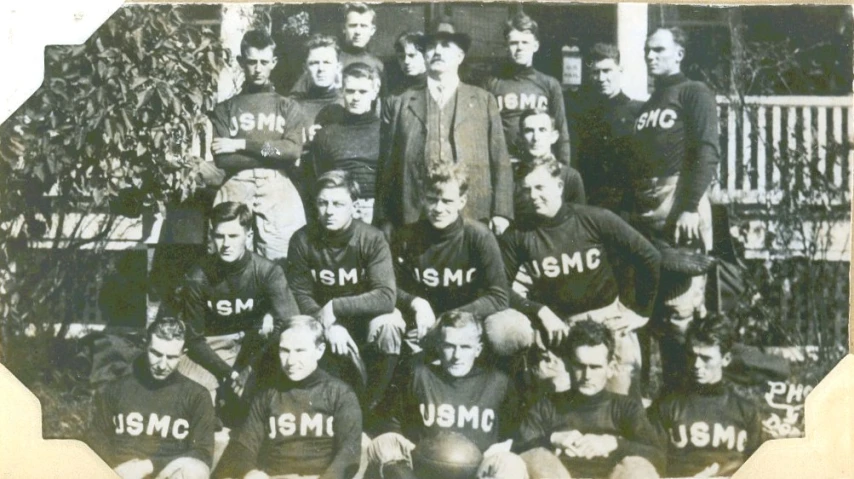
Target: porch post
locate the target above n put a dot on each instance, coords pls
(632, 30)
(236, 19)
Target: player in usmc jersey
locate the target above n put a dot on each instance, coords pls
(155, 422)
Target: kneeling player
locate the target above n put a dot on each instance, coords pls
(708, 427)
(155, 422)
(452, 393)
(593, 429)
(308, 424)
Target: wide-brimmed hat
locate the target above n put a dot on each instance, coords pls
(443, 29)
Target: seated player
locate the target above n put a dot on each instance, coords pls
(592, 429)
(565, 250)
(452, 394)
(708, 428)
(308, 424)
(155, 422)
(352, 144)
(445, 261)
(226, 300)
(341, 271)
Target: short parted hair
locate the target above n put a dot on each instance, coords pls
(409, 38)
(712, 330)
(229, 211)
(167, 328)
(603, 51)
(258, 39)
(586, 333)
(305, 321)
(522, 23)
(322, 41)
(442, 175)
(360, 70)
(679, 36)
(549, 162)
(458, 319)
(359, 7)
(337, 179)
(534, 112)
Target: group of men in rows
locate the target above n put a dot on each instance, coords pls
(424, 264)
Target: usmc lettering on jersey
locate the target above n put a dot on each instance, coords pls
(247, 122)
(227, 307)
(578, 262)
(433, 278)
(658, 118)
(447, 415)
(341, 277)
(702, 435)
(136, 424)
(522, 101)
(305, 425)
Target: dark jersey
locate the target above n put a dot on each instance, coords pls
(567, 259)
(138, 417)
(313, 103)
(220, 298)
(481, 405)
(677, 134)
(707, 425)
(352, 268)
(352, 145)
(271, 125)
(310, 427)
(459, 267)
(519, 89)
(603, 413)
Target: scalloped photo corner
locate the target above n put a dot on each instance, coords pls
(118, 138)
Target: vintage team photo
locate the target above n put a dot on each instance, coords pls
(427, 240)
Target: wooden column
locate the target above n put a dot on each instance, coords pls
(632, 30)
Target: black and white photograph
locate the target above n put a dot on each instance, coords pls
(505, 240)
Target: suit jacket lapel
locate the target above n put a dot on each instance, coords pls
(417, 104)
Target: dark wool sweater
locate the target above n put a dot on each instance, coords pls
(313, 103)
(220, 298)
(603, 413)
(459, 267)
(522, 88)
(139, 417)
(310, 427)
(352, 268)
(481, 405)
(677, 134)
(352, 145)
(706, 424)
(272, 126)
(567, 259)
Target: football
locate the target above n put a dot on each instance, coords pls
(448, 455)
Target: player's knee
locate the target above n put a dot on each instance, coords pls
(503, 465)
(508, 332)
(544, 464)
(634, 467)
(187, 468)
(386, 332)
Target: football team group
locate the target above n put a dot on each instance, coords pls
(411, 276)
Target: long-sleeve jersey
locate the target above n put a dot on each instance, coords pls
(352, 268)
(567, 259)
(220, 298)
(271, 124)
(518, 89)
(139, 417)
(459, 267)
(481, 405)
(310, 427)
(704, 425)
(677, 134)
(604, 413)
(313, 103)
(352, 145)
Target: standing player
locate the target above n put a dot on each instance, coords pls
(341, 271)
(225, 300)
(323, 66)
(709, 428)
(353, 143)
(257, 140)
(518, 87)
(307, 425)
(592, 429)
(155, 422)
(677, 137)
(566, 250)
(411, 71)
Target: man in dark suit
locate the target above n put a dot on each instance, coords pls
(443, 122)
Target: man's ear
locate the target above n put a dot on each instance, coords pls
(464, 200)
(274, 61)
(536, 46)
(479, 348)
(250, 240)
(321, 348)
(726, 359)
(680, 54)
